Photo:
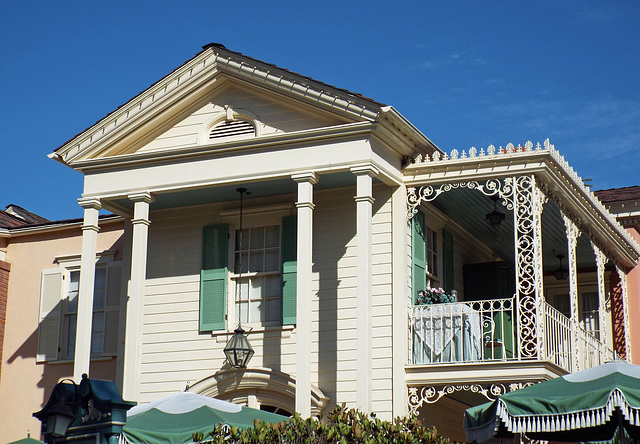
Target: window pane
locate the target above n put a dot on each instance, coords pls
(272, 260)
(257, 238)
(74, 287)
(245, 262)
(70, 327)
(273, 286)
(255, 312)
(243, 289)
(244, 312)
(272, 236)
(257, 288)
(257, 261)
(97, 335)
(99, 288)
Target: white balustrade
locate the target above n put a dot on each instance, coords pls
(485, 331)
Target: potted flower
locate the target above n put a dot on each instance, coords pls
(434, 296)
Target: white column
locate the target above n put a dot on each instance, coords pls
(401, 298)
(85, 294)
(364, 329)
(303, 291)
(135, 296)
(601, 259)
(572, 241)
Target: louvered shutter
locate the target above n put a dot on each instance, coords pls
(213, 277)
(447, 261)
(112, 308)
(50, 309)
(418, 255)
(289, 269)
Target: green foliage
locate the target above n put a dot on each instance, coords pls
(342, 427)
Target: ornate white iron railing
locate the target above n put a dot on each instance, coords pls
(487, 330)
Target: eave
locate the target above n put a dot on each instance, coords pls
(54, 226)
(555, 175)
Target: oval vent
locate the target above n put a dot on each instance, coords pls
(232, 128)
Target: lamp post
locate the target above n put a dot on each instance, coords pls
(238, 350)
(92, 410)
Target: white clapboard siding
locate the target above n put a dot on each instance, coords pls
(174, 351)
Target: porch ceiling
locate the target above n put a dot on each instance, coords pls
(223, 193)
(468, 208)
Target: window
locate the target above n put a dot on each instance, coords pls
(59, 309)
(258, 288)
(265, 291)
(432, 248)
(432, 254)
(588, 308)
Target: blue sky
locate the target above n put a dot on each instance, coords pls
(466, 73)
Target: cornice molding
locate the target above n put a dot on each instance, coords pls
(347, 131)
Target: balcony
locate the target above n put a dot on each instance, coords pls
(496, 331)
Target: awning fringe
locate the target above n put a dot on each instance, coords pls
(570, 420)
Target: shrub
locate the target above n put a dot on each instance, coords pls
(343, 426)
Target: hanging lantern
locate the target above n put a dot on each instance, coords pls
(238, 350)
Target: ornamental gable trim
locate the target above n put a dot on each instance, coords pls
(214, 64)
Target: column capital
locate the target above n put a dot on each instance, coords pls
(306, 176)
(365, 169)
(90, 203)
(141, 196)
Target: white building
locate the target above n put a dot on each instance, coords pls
(352, 211)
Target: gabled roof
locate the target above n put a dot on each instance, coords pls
(216, 61)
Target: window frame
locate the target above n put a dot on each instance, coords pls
(67, 265)
(253, 217)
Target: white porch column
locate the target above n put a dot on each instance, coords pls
(625, 305)
(303, 291)
(401, 298)
(364, 358)
(85, 294)
(135, 296)
(572, 241)
(601, 259)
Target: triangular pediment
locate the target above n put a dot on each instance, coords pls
(220, 91)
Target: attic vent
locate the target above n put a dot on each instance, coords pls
(232, 128)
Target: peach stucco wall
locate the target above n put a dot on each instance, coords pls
(25, 385)
(633, 288)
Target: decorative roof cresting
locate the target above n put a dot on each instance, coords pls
(510, 150)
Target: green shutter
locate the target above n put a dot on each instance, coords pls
(213, 277)
(418, 255)
(447, 260)
(289, 269)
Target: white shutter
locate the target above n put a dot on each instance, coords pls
(50, 309)
(112, 308)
